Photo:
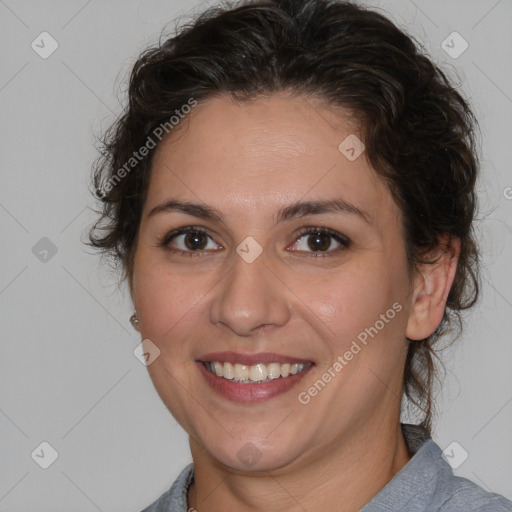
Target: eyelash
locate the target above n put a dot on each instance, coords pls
(342, 240)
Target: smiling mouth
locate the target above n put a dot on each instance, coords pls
(255, 374)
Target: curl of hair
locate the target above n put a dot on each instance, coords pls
(419, 132)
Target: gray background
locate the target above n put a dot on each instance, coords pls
(68, 374)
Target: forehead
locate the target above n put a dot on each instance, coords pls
(263, 154)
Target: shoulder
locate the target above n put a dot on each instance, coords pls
(450, 493)
(462, 494)
(427, 484)
(175, 499)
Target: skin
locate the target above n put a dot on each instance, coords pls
(248, 160)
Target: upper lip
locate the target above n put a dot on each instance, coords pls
(251, 359)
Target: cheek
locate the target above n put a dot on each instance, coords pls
(354, 300)
(167, 303)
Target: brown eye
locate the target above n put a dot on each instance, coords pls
(195, 240)
(320, 240)
(189, 240)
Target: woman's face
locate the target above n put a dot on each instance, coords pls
(250, 285)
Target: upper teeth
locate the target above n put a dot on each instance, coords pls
(255, 373)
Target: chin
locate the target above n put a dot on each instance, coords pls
(251, 453)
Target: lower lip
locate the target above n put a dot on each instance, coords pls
(249, 393)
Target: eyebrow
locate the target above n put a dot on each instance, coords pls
(292, 211)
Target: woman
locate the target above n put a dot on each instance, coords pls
(290, 194)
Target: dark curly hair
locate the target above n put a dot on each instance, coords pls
(419, 132)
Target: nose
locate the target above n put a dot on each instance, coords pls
(251, 298)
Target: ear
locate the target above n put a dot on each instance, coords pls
(432, 284)
(135, 324)
(132, 295)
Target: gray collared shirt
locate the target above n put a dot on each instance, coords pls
(425, 484)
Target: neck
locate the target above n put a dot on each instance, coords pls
(348, 474)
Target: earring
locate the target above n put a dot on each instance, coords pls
(134, 320)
